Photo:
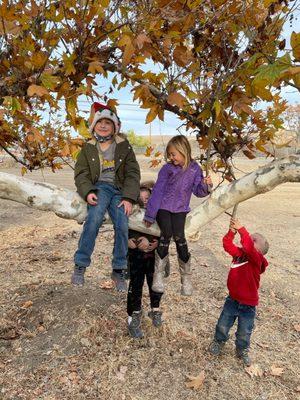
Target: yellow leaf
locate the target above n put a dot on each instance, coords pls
(217, 107)
(83, 129)
(148, 151)
(68, 63)
(295, 43)
(196, 382)
(37, 90)
(23, 171)
(177, 99)
(152, 114)
(96, 66)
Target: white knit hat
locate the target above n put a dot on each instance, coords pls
(101, 112)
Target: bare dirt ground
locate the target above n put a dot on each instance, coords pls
(57, 342)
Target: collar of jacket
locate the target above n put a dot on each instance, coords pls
(118, 139)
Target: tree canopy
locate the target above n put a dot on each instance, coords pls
(211, 62)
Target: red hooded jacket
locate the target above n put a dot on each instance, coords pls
(247, 265)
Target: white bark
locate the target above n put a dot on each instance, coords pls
(69, 205)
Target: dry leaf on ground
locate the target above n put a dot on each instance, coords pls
(254, 370)
(27, 304)
(121, 373)
(107, 284)
(196, 381)
(276, 371)
(297, 327)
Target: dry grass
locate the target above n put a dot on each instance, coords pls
(58, 342)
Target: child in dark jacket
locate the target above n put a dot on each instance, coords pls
(243, 283)
(169, 204)
(141, 259)
(107, 177)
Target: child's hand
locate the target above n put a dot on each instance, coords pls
(152, 245)
(132, 243)
(92, 199)
(208, 181)
(235, 224)
(147, 223)
(143, 243)
(127, 207)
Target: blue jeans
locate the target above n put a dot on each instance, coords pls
(109, 197)
(245, 315)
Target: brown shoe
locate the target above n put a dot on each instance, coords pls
(186, 274)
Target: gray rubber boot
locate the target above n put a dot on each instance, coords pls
(134, 327)
(159, 273)
(78, 276)
(244, 356)
(186, 274)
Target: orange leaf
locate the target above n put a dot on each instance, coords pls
(27, 304)
(38, 90)
(196, 382)
(107, 284)
(177, 99)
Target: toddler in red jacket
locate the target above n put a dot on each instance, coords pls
(248, 264)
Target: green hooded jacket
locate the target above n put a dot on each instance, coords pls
(127, 171)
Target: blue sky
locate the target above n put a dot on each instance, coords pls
(133, 117)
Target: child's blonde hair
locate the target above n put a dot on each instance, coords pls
(183, 146)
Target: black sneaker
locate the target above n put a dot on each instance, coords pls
(78, 276)
(134, 326)
(156, 317)
(244, 356)
(118, 276)
(215, 348)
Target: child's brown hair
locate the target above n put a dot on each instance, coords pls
(183, 146)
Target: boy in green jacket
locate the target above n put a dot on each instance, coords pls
(107, 177)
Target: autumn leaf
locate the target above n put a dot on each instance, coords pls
(27, 304)
(96, 66)
(295, 43)
(276, 371)
(154, 163)
(176, 99)
(149, 151)
(195, 382)
(297, 327)
(107, 285)
(254, 371)
(152, 114)
(37, 90)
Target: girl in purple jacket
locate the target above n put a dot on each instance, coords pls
(169, 204)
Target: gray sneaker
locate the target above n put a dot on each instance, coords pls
(134, 327)
(244, 356)
(156, 317)
(120, 281)
(215, 348)
(78, 276)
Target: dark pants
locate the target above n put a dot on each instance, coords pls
(141, 265)
(245, 316)
(172, 225)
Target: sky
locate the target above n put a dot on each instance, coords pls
(133, 117)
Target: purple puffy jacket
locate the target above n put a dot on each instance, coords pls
(174, 188)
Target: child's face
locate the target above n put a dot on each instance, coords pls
(144, 196)
(175, 157)
(104, 127)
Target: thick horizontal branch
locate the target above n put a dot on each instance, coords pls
(68, 204)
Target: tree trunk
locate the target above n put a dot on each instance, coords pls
(69, 205)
